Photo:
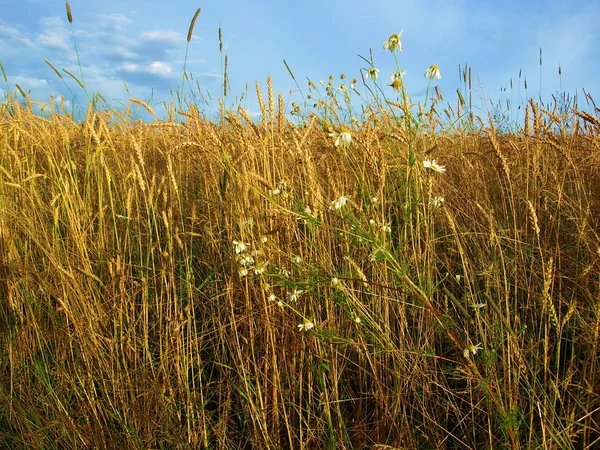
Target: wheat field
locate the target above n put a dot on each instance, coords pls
(237, 283)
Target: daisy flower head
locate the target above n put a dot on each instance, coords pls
(239, 247)
(261, 268)
(339, 203)
(433, 72)
(436, 202)
(295, 294)
(372, 73)
(344, 138)
(398, 75)
(245, 260)
(393, 44)
(434, 166)
(471, 350)
(306, 325)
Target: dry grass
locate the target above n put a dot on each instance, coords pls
(127, 323)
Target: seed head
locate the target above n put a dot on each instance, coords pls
(69, 15)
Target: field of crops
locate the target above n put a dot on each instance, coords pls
(385, 282)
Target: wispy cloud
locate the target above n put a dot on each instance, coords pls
(157, 68)
(29, 82)
(115, 22)
(11, 35)
(54, 34)
(168, 37)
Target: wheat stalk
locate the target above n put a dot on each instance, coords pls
(527, 127)
(261, 103)
(536, 117)
(271, 97)
(281, 121)
(547, 298)
(498, 151)
(144, 105)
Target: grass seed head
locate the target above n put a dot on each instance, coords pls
(192, 23)
(69, 15)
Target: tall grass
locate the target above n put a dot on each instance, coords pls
(249, 284)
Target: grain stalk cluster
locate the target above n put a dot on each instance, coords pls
(377, 282)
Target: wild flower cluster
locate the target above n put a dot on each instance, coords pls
(249, 261)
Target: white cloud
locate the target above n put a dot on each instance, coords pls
(29, 82)
(167, 36)
(14, 34)
(52, 41)
(54, 34)
(160, 68)
(125, 53)
(155, 68)
(9, 31)
(209, 75)
(115, 21)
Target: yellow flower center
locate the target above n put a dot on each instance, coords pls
(396, 84)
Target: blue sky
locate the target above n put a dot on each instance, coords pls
(143, 43)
